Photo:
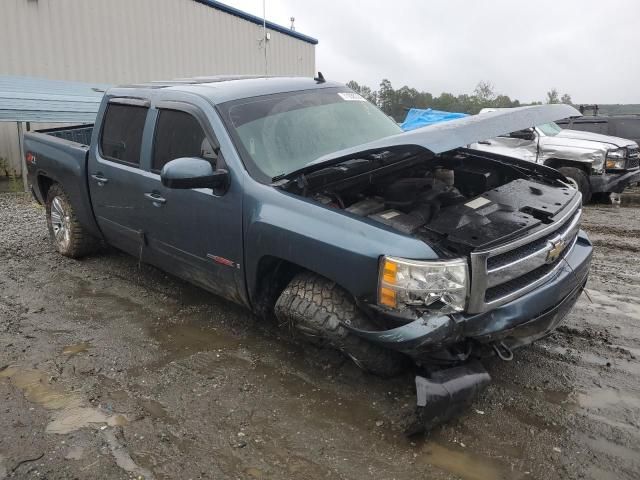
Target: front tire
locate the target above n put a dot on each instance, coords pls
(65, 231)
(318, 309)
(579, 180)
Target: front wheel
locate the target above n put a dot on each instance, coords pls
(67, 235)
(319, 309)
(578, 179)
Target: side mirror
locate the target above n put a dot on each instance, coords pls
(185, 173)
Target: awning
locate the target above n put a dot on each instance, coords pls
(31, 99)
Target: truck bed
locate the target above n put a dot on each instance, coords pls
(60, 155)
(78, 133)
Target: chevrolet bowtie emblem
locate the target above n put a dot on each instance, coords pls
(557, 246)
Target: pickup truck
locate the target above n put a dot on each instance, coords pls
(298, 199)
(593, 163)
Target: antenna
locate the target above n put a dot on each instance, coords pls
(293, 27)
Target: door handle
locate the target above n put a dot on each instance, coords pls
(100, 179)
(155, 198)
(485, 142)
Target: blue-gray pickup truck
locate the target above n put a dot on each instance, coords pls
(300, 200)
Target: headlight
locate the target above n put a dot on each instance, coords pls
(616, 158)
(439, 285)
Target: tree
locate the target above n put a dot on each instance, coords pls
(484, 93)
(386, 97)
(553, 96)
(566, 98)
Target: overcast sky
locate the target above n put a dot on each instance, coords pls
(587, 48)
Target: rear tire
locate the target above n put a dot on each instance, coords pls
(65, 231)
(318, 309)
(579, 180)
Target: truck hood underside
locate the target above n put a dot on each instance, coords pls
(447, 136)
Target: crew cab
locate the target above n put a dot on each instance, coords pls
(593, 163)
(298, 199)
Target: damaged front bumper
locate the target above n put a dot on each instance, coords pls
(615, 182)
(514, 324)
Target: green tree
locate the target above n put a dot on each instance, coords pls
(553, 96)
(566, 98)
(386, 97)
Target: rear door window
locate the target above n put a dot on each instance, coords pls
(121, 136)
(179, 134)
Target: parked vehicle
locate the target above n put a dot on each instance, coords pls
(624, 126)
(298, 198)
(593, 163)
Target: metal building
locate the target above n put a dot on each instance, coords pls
(123, 41)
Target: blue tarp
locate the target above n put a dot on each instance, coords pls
(418, 117)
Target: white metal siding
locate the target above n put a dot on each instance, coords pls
(124, 41)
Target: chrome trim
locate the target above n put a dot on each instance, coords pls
(481, 277)
(524, 265)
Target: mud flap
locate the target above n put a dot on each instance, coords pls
(445, 394)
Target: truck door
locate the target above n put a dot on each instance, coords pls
(114, 173)
(193, 233)
(522, 144)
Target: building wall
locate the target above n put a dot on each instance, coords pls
(124, 41)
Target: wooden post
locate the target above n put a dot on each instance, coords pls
(23, 162)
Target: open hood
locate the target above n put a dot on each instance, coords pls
(442, 137)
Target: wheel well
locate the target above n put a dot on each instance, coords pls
(559, 163)
(44, 184)
(273, 275)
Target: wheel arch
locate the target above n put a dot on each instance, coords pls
(560, 162)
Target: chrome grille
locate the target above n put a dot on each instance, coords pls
(504, 273)
(633, 158)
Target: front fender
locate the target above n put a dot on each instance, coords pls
(335, 244)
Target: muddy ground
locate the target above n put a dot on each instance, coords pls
(110, 369)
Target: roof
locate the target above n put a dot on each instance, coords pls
(257, 20)
(226, 88)
(31, 99)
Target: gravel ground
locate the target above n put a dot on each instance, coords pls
(109, 369)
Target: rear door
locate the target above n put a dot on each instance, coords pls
(115, 173)
(193, 233)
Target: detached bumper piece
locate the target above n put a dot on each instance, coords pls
(445, 394)
(615, 183)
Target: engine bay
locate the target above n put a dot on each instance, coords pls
(459, 202)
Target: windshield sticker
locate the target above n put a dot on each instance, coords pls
(477, 203)
(351, 97)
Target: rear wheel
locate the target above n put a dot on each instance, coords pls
(69, 237)
(578, 179)
(319, 309)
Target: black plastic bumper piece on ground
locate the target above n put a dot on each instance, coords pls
(615, 183)
(446, 393)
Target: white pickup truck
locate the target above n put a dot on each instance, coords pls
(593, 163)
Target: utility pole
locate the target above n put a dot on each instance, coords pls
(264, 34)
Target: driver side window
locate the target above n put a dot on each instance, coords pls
(179, 134)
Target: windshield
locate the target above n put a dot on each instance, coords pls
(279, 134)
(550, 129)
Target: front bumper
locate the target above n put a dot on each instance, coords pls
(614, 182)
(516, 323)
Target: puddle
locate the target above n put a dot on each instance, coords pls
(68, 411)
(615, 304)
(123, 459)
(465, 464)
(72, 350)
(605, 397)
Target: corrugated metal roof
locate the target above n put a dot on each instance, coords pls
(31, 99)
(257, 20)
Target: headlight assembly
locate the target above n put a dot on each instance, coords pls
(440, 285)
(616, 158)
